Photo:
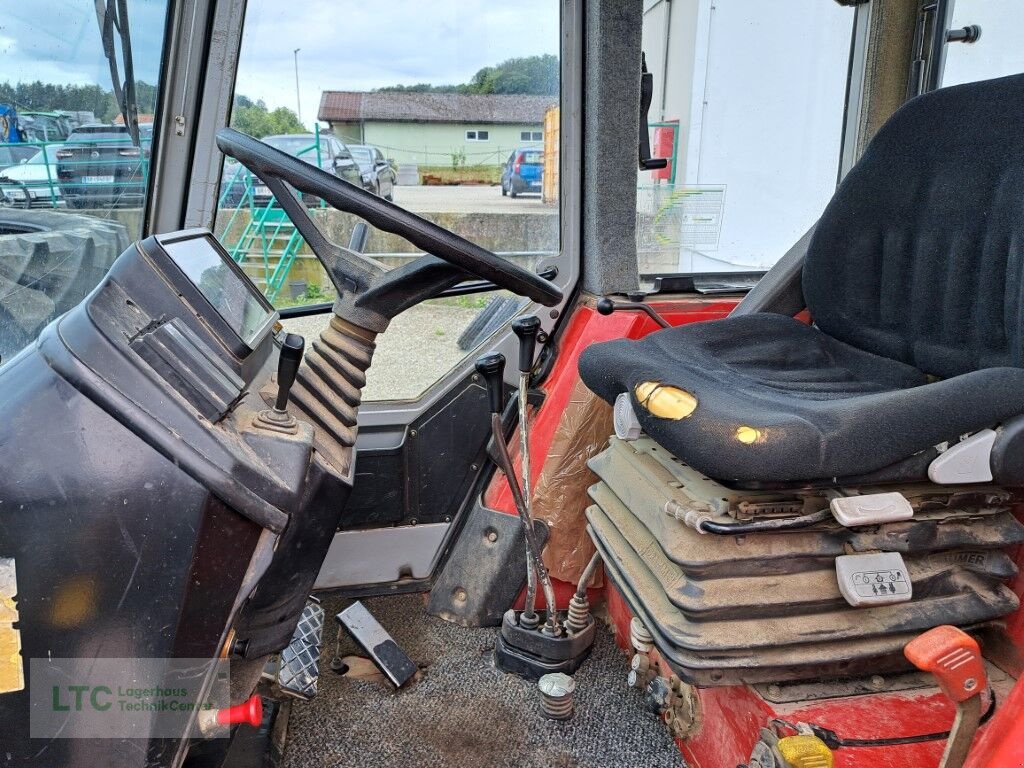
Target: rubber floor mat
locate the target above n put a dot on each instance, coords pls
(463, 712)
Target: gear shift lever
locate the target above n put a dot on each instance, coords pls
(277, 419)
(492, 368)
(525, 328)
(287, 368)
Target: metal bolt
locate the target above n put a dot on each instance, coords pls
(634, 680)
(970, 684)
(553, 314)
(474, 467)
(877, 682)
(476, 377)
(460, 595)
(542, 338)
(556, 695)
(492, 536)
(413, 433)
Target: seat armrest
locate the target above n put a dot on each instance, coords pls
(780, 291)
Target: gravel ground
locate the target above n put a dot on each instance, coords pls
(418, 348)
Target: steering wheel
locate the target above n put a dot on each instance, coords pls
(358, 274)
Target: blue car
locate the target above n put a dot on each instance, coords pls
(523, 172)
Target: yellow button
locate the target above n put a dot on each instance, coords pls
(664, 401)
(805, 752)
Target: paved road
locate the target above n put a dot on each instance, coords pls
(468, 199)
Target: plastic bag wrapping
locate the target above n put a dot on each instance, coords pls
(560, 496)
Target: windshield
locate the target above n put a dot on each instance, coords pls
(57, 71)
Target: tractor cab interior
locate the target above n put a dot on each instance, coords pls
(669, 495)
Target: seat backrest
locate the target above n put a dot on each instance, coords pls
(919, 256)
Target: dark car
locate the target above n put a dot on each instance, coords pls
(523, 172)
(335, 158)
(99, 166)
(381, 171)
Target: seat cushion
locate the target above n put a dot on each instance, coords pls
(815, 407)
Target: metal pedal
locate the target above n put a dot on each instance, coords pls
(375, 640)
(299, 668)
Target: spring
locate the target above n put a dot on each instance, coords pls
(579, 614)
(556, 695)
(639, 637)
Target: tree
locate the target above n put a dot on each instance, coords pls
(254, 118)
(537, 75)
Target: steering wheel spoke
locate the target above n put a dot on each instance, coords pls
(374, 294)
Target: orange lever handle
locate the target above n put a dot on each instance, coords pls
(953, 657)
(250, 711)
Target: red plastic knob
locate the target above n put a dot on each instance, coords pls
(953, 657)
(250, 712)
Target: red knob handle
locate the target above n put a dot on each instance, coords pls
(953, 657)
(250, 712)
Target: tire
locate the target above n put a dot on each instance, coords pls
(504, 192)
(499, 311)
(512, 192)
(49, 262)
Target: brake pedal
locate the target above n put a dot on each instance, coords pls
(299, 669)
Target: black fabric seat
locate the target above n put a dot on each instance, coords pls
(915, 280)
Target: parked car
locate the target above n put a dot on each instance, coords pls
(99, 166)
(335, 158)
(15, 154)
(381, 171)
(523, 172)
(33, 182)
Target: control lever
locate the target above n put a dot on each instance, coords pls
(605, 306)
(526, 328)
(277, 418)
(492, 368)
(954, 658)
(287, 368)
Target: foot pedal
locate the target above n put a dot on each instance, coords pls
(299, 665)
(871, 509)
(375, 640)
(532, 654)
(879, 578)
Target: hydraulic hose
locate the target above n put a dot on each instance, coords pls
(760, 526)
(587, 575)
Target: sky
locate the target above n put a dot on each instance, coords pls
(354, 45)
(345, 44)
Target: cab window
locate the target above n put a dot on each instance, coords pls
(438, 123)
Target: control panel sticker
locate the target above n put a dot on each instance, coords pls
(880, 583)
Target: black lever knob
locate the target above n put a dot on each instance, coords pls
(492, 367)
(287, 368)
(606, 306)
(526, 328)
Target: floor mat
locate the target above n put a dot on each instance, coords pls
(463, 712)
